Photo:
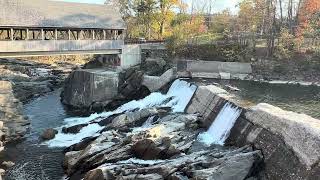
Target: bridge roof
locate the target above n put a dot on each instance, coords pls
(57, 14)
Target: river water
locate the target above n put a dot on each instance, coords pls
(297, 98)
(33, 160)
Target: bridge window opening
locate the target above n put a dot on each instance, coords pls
(19, 34)
(109, 34)
(34, 34)
(62, 35)
(49, 34)
(119, 34)
(5, 34)
(98, 35)
(87, 34)
(74, 34)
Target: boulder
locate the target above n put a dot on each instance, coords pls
(95, 174)
(49, 134)
(147, 149)
(7, 164)
(85, 87)
(154, 83)
(130, 84)
(2, 172)
(154, 66)
(73, 129)
(132, 119)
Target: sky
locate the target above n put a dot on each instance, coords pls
(219, 5)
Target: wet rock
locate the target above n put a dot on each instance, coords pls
(148, 150)
(132, 119)
(130, 83)
(8, 164)
(95, 174)
(2, 172)
(73, 129)
(107, 120)
(49, 134)
(81, 145)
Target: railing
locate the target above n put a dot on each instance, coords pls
(59, 45)
(143, 41)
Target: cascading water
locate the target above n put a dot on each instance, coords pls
(221, 126)
(177, 97)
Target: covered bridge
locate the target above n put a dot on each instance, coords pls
(42, 27)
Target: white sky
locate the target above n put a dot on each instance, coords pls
(218, 5)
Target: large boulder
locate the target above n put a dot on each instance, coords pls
(49, 134)
(154, 83)
(85, 87)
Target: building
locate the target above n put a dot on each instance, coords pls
(42, 27)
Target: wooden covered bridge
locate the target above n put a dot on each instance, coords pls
(42, 27)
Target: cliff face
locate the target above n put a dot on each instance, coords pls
(290, 142)
(13, 123)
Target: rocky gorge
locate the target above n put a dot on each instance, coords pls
(189, 132)
(134, 125)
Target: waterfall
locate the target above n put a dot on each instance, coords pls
(220, 128)
(177, 97)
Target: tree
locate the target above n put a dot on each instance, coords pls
(166, 14)
(221, 22)
(309, 17)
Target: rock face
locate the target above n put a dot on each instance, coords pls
(87, 86)
(14, 123)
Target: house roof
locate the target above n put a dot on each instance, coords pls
(58, 14)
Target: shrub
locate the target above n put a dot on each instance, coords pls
(286, 45)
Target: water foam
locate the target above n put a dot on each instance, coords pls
(177, 97)
(220, 128)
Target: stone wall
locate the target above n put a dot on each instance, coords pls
(290, 142)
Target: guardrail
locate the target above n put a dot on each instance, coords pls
(138, 41)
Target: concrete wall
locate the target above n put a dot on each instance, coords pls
(87, 86)
(290, 142)
(131, 55)
(215, 69)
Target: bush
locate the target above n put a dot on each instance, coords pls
(286, 45)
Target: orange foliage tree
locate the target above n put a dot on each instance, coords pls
(309, 17)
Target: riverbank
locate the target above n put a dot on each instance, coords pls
(22, 81)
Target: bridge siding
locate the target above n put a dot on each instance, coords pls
(59, 45)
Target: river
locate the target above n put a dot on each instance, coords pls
(33, 160)
(297, 98)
